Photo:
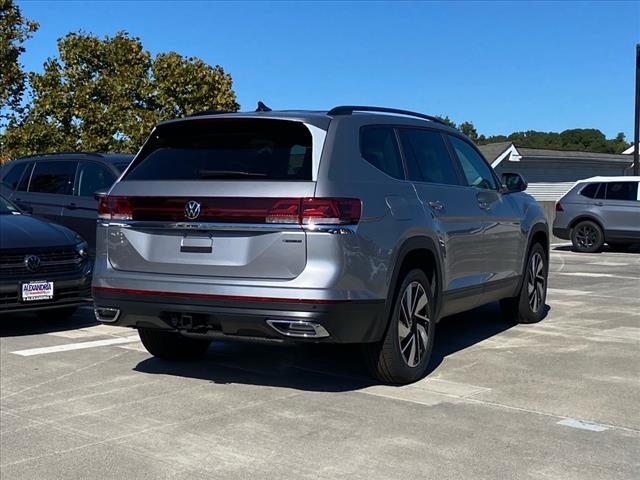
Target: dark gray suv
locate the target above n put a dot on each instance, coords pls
(61, 187)
(355, 225)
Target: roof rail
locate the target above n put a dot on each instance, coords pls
(91, 154)
(349, 109)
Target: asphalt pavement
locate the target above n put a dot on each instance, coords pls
(555, 400)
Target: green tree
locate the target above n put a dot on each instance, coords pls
(14, 31)
(447, 121)
(469, 130)
(105, 94)
(187, 85)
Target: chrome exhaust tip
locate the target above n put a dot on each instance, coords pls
(298, 328)
(106, 314)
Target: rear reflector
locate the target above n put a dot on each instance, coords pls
(559, 207)
(301, 211)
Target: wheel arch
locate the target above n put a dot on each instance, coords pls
(415, 252)
(582, 218)
(538, 233)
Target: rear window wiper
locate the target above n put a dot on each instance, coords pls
(209, 174)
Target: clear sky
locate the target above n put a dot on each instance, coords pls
(505, 66)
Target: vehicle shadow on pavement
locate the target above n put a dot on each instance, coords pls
(317, 367)
(21, 324)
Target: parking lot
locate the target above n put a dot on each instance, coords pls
(558, 399)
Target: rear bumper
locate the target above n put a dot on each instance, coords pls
(562, 232)
(345, 321)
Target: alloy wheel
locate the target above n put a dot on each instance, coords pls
(413, 323)
(535, 282)
(586, 236)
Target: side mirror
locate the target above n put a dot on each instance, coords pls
(98, 194)
(513, 182)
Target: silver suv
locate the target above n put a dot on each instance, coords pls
(599, 210)
(355, 225)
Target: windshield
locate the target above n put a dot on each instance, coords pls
(227, 149)
(7, 208)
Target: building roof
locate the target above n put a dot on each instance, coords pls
(540, 152)
(494, 151)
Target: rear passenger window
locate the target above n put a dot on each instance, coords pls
(53, 177)
(427, 157)
(622, 191)
(12, 178)
(590, 190)
(378, 146)
(93, 177)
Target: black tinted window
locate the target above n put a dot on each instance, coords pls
(378, 146)
(622, 191)
(53, 177)
(12, 178)
(476, 170)
(427, 157)
(590, 190)
(237, 149)
(92, 177)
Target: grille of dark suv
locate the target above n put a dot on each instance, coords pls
(58, 261)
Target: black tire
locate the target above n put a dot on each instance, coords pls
(57, 314)
(386, 360)
(523, 308)
(619, 247)
(587, 237)
(172, 346)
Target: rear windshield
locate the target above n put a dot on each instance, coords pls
(226, 149)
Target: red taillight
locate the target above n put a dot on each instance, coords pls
(115, 208)
(330, 211)
(286, 210)
(305, 211)
(559, 207)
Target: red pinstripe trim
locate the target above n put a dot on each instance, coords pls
(128, 291)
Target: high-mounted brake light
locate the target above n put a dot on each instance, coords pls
(300, 211)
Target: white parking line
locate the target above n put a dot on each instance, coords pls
(596, 275)
(562, 291)
(76, 346)
(582, 425)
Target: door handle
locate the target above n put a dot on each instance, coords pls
(483, 205)
(437, 206)
(71, 206)
(599, 204)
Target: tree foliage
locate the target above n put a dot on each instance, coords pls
(14, 31)
(579, 139)
(105, 94)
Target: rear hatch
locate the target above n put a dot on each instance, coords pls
(216, 198)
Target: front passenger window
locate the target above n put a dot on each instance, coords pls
(476, 170)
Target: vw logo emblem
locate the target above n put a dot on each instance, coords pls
(32, 262)
(192, 210)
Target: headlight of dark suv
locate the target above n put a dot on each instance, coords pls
(82, 248)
